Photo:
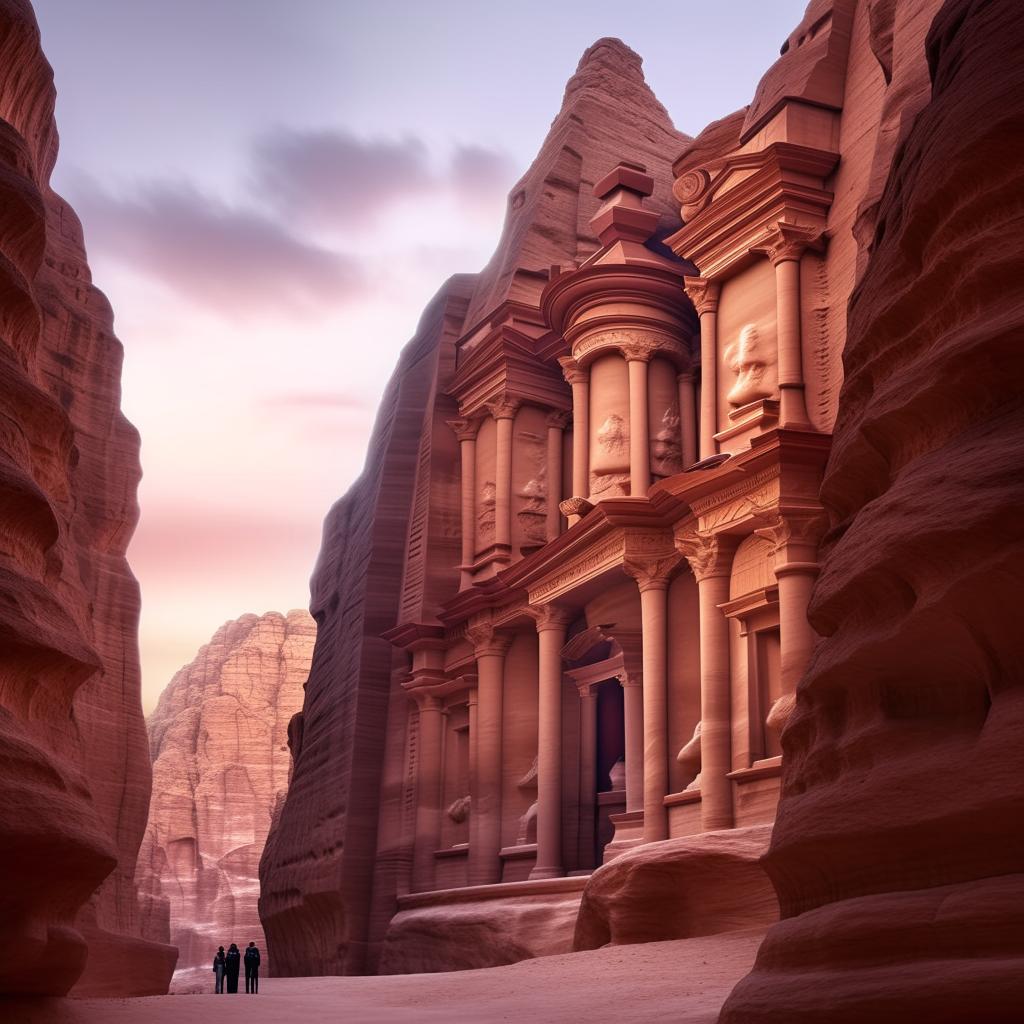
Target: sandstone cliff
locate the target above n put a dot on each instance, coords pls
(897, 852)
(75, 778)
(219, 741)
(336, 859)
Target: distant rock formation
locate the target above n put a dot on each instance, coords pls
(74, 767)
(219, 741)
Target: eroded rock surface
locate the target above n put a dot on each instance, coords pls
(678, 889)
(74, 768)
(219, 739)
(898, 851)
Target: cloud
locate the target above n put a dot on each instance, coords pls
(335, 179)
(233, 260)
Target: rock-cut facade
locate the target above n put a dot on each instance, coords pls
(648, 570)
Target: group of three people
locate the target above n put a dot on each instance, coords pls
(225, 968)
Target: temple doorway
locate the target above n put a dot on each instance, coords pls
(610, 795)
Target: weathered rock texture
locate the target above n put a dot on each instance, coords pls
(898, 852)
(74, 769)
(678, 889)
(219, 742)
(340, 852)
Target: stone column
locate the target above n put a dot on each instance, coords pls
(710, 557)
(465, 431)
(579, 380)
(704, 293)
(428, 790)
(652, 577)
(490, 647)
(556, 425)
(786, 245)
(687, 419)
(639, 423)
(633, 715)
(551, 626)
(504, 414)
(796, 537)
(588, 773)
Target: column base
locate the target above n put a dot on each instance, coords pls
(546, 873)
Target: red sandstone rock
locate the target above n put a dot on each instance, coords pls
(75, 780)
(340, 854)
(699, 885)
(897, 852)
(220, 765)
(455, 932)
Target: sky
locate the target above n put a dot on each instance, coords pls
(271, 193)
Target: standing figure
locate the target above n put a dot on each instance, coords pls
(231, 964)
(252, 969)
(218, 971)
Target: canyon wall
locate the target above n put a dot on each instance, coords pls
(75, 778)
(898, 852)
(219, 743)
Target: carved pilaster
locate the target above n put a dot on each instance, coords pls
(704, 294)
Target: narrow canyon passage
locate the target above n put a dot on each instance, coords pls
(685, 982)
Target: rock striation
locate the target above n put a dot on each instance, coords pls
(219, 743)
(74, 769)
(898, 852)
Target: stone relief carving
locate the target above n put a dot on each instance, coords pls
(532, 510)
(458, 810)
(486, 514)
(613, 441)
(780, 713)
(527, 831)
(689, 758)
(754, 361)
(666, 446)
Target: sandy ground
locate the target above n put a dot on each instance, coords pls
(684, 982)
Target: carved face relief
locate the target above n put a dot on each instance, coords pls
(532, 513)
(613, 435)
(753, 360)
(608, 479)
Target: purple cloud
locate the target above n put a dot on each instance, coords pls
(334, 178)
(230, 259)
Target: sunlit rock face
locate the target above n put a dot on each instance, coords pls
(898, 851)
(74, 768)
(219, 739)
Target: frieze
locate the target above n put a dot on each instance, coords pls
(747, 486)
(585, 566)
(632, 343)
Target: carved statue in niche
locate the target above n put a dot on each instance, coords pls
(780, 713)
(610, 477)
(527, 832)
(532, 511)
(487, 516)
(689, 758)
(666, 446)
(458, 810)
(753, 360)
(617, 775)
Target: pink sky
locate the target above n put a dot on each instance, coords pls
(269, 203)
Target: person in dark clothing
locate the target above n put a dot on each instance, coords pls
(231, 965)
(218, 970)
(252, 969)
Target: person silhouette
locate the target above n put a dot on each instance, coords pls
(232, 961)
(252, 968)
(218, 970)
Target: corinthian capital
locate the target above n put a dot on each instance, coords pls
(651, 573)
(465, 430)
(551, 616)
(703, 294)
(784, 241)
(572, 371)
(709, 554)
(487, 640)
(558, 419)
(504, 408)
(805, 528)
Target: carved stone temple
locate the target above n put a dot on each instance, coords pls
(563, 614)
